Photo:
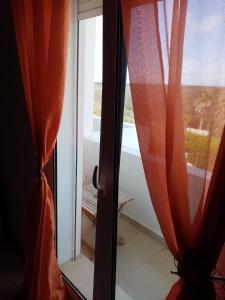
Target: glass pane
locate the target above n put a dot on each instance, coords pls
(80, 270)
(143, 261)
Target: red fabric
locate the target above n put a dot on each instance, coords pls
(160, 37)
(42, 34)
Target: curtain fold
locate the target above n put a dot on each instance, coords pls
(42, 29)
(178, 97)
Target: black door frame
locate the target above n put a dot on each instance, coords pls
(114, 82)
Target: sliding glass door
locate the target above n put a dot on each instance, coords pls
(88, 151)
(88, 123)
(114, 73)
(110, 244)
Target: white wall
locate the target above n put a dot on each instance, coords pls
(87, 32)
(133, 182)
(66, 156)
(131, 169)
(69, 156)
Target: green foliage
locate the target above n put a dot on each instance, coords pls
(201, 150)
(97, 109)
(206, 103)
(128, 108)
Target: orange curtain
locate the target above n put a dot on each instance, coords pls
(42, 34)
(176, 62)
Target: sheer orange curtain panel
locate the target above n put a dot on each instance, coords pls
(42, 29)
(177, 76)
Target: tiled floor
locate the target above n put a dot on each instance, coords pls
(143, 265)
(143, 268)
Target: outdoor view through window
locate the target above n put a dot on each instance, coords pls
(143, 259)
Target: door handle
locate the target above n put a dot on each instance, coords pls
(95, 179)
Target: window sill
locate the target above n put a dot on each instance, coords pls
(81, 274)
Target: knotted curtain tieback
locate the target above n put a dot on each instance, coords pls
(39, 169)
(194, 270)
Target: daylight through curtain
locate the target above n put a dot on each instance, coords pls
(176, 62)
(42, 32)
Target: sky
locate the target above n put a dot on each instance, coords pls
(204, 44)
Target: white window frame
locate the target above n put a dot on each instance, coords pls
(66, 154)
(69, 144)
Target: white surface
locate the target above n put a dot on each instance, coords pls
(132, 182)
(66, 156)
(86, 61)
(143, 265)
(81, 274)
(129, 138)
(132, 178)
(143, 268)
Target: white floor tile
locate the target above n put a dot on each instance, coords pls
(126, 230)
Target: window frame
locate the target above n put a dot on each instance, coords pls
(112, 111)
(114, 83)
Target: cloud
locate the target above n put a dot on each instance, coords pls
(190, 64)
(190, 71)
(210, 23)
(207, 24)
(207, 72)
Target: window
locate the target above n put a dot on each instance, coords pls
(89, 130)
(79, 130)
